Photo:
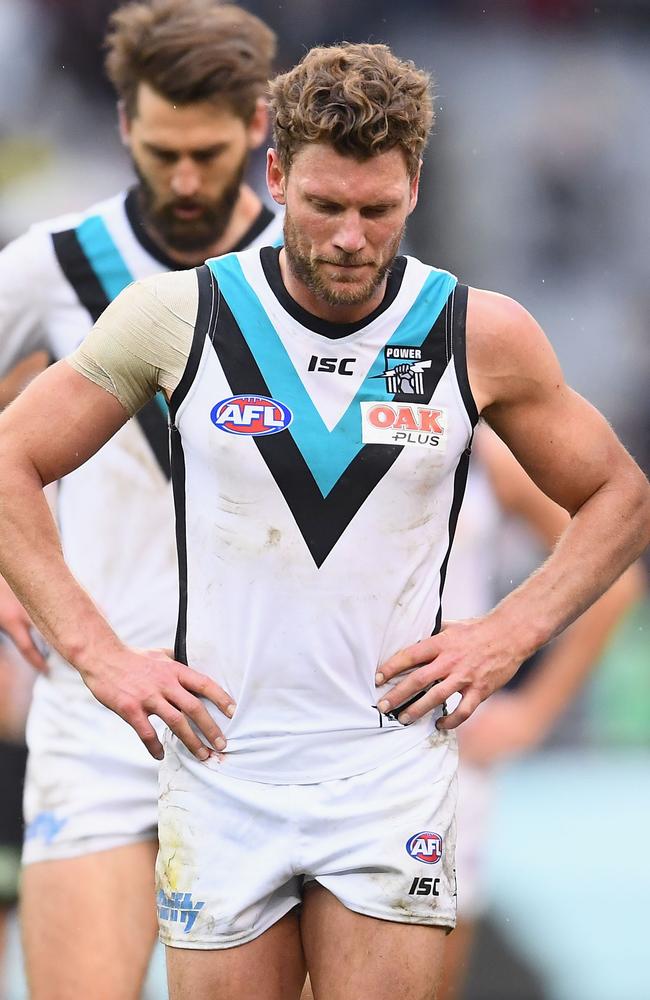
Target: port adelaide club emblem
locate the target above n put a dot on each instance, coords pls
(406, 419)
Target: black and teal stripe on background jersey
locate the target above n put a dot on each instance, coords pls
(96, 270)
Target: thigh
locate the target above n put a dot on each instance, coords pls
(354, 957)
(89, 924)
(271, 967)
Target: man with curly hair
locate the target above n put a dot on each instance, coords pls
(308, 786)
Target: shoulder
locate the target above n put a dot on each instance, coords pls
(507, 350)
(176, 292)
(35, 251)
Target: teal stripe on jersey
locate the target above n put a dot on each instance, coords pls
(104, 257)
(327, 453)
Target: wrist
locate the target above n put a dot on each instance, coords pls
(87, 649)
(521, 630)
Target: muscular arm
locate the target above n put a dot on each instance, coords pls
(515, 722)
(60, 420)
(573, 456)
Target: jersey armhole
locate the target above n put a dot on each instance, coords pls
(205, 325)
(459, 350)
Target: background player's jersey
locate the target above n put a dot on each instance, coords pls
(318, 474)
(115, 513)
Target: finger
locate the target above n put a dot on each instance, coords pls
(433, 698)
(180, 727)
(412, 656)
(198, 713)
(205, 687)
(22, 639)
(147, 734)
(468, 704)
(409, 688)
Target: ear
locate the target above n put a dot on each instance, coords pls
(124, 123)
(275, 177)
(414, 189)
(258, 126)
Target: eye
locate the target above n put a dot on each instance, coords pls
(206, 155)
(166, 156)
(326, 207)
(375, 211)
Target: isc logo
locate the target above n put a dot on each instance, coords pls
(251, 415)
(425, 847)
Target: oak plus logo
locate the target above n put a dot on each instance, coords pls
(404, 424)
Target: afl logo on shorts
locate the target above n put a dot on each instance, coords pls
(426, 847)
(253, 416)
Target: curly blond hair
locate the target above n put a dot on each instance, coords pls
(359, 98)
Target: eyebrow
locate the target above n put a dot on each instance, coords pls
(323, 200)
(217, 147)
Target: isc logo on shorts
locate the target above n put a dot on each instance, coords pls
(251, 415)
(404, 424)
(425, 847)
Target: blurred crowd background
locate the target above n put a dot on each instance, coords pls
(536, 184)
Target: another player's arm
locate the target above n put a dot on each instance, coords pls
(513, 722)
(571, 453)
(53, 427)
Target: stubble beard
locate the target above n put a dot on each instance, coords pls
(308, 270)
(192, 235)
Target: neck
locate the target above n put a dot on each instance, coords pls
(339, 313)
(247, 208)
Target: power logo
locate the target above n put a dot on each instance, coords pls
(251, 416)
(404, 424)
(425, 847)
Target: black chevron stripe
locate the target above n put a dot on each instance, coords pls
(321, 520)
(80, 273)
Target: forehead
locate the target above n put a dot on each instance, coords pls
(200, 124)
(321, 171)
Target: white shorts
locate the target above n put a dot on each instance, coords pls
(90, 785)
(235, 854)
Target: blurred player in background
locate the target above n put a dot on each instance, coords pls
(512, 721)
(191, 77)
(313, 554)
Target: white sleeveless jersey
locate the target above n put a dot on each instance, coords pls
(116, 512)
(317, 485)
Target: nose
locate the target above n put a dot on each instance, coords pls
(186, 179)
(350, 236)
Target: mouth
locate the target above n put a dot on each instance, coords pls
(188, 213)
(348, 267)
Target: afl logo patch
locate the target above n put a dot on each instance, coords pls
(425, 847)
(251, 415)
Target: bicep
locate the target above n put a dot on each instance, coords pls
(58, 422)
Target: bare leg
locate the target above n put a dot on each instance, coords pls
(272, 967)
(354, 957)
(456, 960)
(89, 924)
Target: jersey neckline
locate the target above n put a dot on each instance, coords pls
(270, 260)
(137, 224)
